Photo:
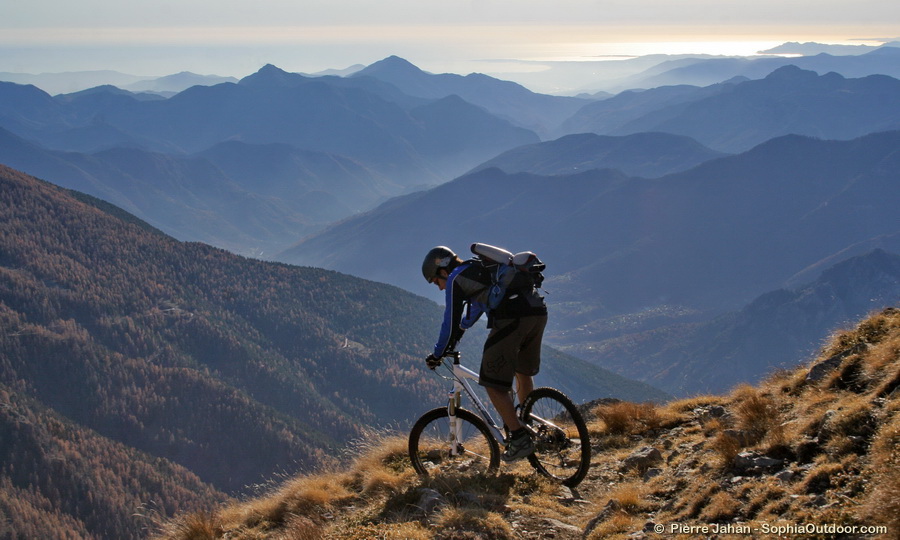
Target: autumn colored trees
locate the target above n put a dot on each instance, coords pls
(136, 369)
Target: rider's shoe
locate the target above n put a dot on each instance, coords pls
(520, 446)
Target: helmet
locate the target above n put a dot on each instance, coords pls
(439, 257)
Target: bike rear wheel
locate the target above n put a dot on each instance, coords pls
(432, 448)
(562, 445)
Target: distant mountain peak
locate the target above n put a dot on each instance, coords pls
(271, 68)
(392, 64)
(270, 75)
(791, 71)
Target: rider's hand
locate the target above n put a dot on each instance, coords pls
(432, 361)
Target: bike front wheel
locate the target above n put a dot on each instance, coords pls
(562, 445)
(464, 447)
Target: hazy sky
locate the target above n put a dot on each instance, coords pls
(232, 37)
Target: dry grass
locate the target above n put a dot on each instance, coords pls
(474, 523)
(628, 418)
(882, 503)
(693, 403)
(721, 508)
(760, 494)
(618, 526)
(757, 414)
(726, 448)
(629, 497)
(193, 526)
(837, 441)
(301, 528)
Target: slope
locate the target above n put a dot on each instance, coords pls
(648, 155)
(768, 334)
(177, 348)
(812, 452)
(61, 480)
(191, 197)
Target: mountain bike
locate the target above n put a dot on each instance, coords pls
(455, 440)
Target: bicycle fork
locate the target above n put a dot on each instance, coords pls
(455, 398)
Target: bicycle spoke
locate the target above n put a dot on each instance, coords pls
(433, 448)
(558, 431)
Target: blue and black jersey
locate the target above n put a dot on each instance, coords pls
(467, 299)
(466, 294)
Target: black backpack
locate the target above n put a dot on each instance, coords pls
(510, 274)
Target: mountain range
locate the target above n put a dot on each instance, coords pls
(589, 79)
(703, 72)
(537, 112)
(734, 116)
(358, 118)
(787, 204)
(152, 354)
(264, 182)
(703, 241)
(601, 77)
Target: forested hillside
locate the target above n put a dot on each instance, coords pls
(136, 369)
(61, 480)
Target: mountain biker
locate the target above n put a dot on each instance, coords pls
(513, 347)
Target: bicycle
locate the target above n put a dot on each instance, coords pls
(454, 439)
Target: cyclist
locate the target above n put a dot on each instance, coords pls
(513, 346)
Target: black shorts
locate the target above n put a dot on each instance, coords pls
(513, 346)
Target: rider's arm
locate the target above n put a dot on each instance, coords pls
(454, 304)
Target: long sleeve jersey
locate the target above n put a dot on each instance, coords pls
(466, 295)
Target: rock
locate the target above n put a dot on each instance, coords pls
(652, 473)
(785, 475)
(560, 526)
(742, 437)
(752, 462)
(823, 368)
(808, 449)
(467, 498)
(712, 412)
(430, 500)
(643, 458)
(672, 456)
(717, 411)
(825, 428)
(611, 508)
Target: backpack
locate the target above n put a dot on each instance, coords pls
(510, 274)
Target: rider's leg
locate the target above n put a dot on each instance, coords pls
(524, 386)
(512, 344)
(503, 402)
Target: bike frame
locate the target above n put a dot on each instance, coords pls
(461, 377)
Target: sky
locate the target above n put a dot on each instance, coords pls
(236, 38)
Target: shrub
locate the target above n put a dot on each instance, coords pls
(624, 417)
(756, 413)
